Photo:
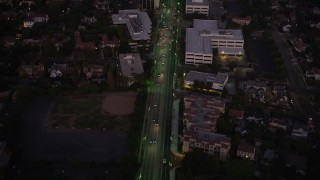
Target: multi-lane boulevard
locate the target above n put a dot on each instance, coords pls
(154, 150)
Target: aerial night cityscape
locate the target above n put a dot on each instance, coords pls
(159, 89)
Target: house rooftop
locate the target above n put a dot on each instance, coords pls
(236, 113)
(243, 147)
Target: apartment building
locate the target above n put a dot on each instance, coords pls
(211, 143)
(217, 81)
(205, 36)
(131, 66)
(197, 6)
(139, 26)
(200, 116)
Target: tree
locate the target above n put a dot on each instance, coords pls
(197, 163)
(239, 169)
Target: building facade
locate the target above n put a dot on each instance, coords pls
(197, 6)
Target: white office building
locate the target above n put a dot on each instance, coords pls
(197, 6)
(205, 36)
(139, 26)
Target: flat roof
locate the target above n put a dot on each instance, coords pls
(206, 77)
(197, 44)
(130, 64)
(197, 2)
(198, 38)
(138, 23)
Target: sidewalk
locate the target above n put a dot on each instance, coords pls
(174, 129)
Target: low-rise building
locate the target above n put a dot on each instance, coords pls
(95, 73)
(79, 44)
(298, 45)
(32, 19)
(101, 4)
(279, 93)
(210, 80)
(197, 6)
(314, 72)
(211, 143)
(235, 113)
(299, 131)
(277, 123)
(31, 71)
(256, 90)
(139, 26)
(88, 20)
(106, 42)
(246, 151)
(131, 67)
(242, 20)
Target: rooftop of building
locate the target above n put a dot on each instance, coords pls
(198, 38)
(244, 147)
(205, 136)
(220, 78)
(138, 23)
(130, 64)
(197, 2)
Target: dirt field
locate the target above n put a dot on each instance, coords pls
(110, 111)
(121, 103)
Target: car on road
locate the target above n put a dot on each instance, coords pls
(164, 161)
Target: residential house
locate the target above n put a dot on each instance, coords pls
(299, 132)
(256, 90)
(268, 157)
(95, 73)
(88, 20)
(101, 4)
(277, 123)
(298, 45)
(314, 72)
(237, 116)
(79, 44)
(316, 10)
(298, 162)
(8, 41)
(4, 158)
(57, 70)
(315, 23)
(34, 42)
(246, 151)
(216, 82)
(32, 19)
(274, 5)
(280, 95)
(106, 42)
(30, 71)
(59, 43)
(242, 20)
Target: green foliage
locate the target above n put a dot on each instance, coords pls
(239, 169)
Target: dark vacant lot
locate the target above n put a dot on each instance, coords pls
(263, 57)
(236, 8)
(80, 154)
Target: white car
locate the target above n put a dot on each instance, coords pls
(164, 161)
